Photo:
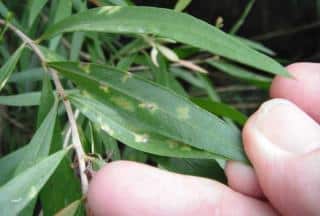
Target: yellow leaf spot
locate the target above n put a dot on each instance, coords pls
(104, 88)
(185, 148)
(150, 106)
(127, 76)
(108, 9)
(173, 144)
(86, 67)
(123, 103)
(107, 129)
(183, 113)
(141, 138)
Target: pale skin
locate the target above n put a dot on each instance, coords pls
(282, 141)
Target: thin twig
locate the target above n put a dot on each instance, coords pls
(68, 133)
(75, 134)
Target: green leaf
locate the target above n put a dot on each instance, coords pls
(144, 110)
(158, 21)
(7, 69)
(76, 44)
(24, 99)
(240, 72)
(46, 99)
(9, 163)
(235, 28)
(70, 210)
(181, 5)
(40, 142)
(111, 147)
(132, 154)
(33, 74)
(122, 128)
(35, 7)
(187, 76)
(63, 10)
(208, 86)
(195, 167)
(19, 191)
(221, 110)
(257, 46)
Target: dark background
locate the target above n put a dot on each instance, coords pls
(289, 27)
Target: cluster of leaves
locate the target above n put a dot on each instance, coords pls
(125, 70)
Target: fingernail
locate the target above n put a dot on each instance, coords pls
(286, 126)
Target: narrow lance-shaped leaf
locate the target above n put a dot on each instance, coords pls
(19, 191)
(158, 21)
(121, 128)
(151, 109)
(24, 99)
(181, 5)
(40, 142)
(221, 109)
(7, 69)
(35, 7)
(240, 72)
(9, 163)
(70, 210)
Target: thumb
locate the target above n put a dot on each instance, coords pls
(282, 143)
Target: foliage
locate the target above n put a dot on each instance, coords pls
(112, 81)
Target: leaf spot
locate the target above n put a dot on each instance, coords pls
(107, 128)
(141, 138)
(16, 200)
(104, 88)
(127, 76)
(173, 144)
(150, 106)
(86, 67)
(185, 148)
(183, 113)
(32, 192)
(123, 103)
(108, 9)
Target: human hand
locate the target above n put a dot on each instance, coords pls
(282, 143)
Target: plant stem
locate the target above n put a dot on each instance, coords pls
(74, 130)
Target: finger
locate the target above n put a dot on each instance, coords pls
(128, 188)
(304, 91)
(242, 178)
(283, 142)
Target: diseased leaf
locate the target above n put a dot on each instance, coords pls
(140, 113)
(7, 69)
(121, 128)
(158, 21)
(19, 191)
